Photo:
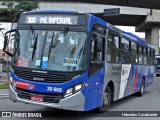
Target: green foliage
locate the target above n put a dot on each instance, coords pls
(27, 6)
(13, 8)
(4, 85)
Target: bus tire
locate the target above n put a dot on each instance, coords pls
(157, 75)
(141, 92)
(106, 101)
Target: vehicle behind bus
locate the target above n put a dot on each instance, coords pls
(157, 65)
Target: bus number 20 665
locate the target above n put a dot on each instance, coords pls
(55, 89)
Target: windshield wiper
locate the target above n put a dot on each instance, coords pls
(34, 47)
(55, 41)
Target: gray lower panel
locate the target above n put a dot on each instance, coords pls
(74, 102)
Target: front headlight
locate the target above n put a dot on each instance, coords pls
(73, 90)
(78, 87)
(12, 82)
(11, 79)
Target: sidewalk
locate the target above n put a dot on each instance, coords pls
(3, 76)
(3, 92)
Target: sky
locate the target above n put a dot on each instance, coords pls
(132, 30)
(124, 28)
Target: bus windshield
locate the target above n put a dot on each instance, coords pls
(47, 49)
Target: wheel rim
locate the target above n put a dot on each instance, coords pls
(106, 98)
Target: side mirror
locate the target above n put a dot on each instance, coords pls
(6, 42)
(5, 46)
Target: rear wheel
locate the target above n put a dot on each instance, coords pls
(106, 101)
(141, 92)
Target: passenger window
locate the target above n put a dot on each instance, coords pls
(125, 57)
(145, 55)
(125, 51)
(152, 57)
(124, 44)
(148, 57)
(140, 49)
(134, 55)
(113, 48)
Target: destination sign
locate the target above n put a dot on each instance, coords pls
(49, 19)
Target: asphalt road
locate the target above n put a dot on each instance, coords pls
(149, 102)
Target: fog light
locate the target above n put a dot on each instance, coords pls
(69, 92)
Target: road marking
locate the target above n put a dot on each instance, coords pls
(4, 94)
(2, 97)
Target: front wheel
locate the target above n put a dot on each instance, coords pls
(141, 92)
(106, 101)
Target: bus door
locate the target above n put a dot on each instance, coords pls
(96, 69)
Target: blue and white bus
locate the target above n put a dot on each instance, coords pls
(76, 61)
(157, 65)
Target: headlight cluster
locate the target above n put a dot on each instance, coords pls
(73, 89)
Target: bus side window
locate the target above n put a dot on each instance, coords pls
(140, 52)
(112, 48)
(145, 56)
(152, 57)
(125, 52)
(97, 48)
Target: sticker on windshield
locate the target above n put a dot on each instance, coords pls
(23, 62)
(45, 59)
(70, 62)
(44, 64)
(38, 62)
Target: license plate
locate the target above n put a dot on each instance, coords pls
(37, 98)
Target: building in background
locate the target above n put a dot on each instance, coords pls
(3, 56)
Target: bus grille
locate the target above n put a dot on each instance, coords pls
(52, 98)
(41, 77)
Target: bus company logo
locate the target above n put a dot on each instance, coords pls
(31, 87)
(124, 72)
(37, 71)
(69, 61)
(38, 79)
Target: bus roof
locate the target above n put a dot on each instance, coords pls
(138, 39)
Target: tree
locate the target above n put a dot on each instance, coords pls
(11, 11)
(12, 8)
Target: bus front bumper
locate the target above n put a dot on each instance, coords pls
(74, 102)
